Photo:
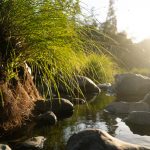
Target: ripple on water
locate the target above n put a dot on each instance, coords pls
(90, 116)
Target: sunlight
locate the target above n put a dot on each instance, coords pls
(133, 17)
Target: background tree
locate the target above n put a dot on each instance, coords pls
(110, 25)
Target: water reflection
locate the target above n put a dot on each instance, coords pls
(89, 116)
(124, 133)
(136, 129)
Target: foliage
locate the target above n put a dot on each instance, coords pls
(100, 68)
(47, 36)
(127, 54)
(110, 25)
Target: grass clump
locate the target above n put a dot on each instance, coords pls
(46, 36)
(100, 68)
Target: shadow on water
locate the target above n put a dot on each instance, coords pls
(90, 115)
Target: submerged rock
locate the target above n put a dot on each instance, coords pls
(4, 147)
(34, 143)
(131, 85)
(127, 107)
(96, 139)
(48, 118)
(138, 118)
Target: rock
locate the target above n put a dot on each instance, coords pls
(41, 106)
(59, 106)
(80, 84)
(87, 86)
(104, 86)
(34, 143)
(131, 85)
(138, 118)
(4, 147)
(146, 99)
(137, 129)
(127, 107)
(48, 118)
(78, 101)
(96, 139)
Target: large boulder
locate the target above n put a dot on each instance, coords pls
(34, 143)
(96, 139)
(60, 107)
(4, 147)
(138, 118)
(129, 84)
(127, 107)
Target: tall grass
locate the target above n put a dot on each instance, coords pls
(100, 68)
(47, 36)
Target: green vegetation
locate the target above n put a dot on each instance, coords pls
(50, 38)
(45, 35)
(100, 68)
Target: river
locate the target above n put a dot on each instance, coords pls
(91, 115)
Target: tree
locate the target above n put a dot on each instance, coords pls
(110, 25)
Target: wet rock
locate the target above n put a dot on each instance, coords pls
(131, 85)
(104, 86)
(78, 101)
(138, 118)
(137, 129)
(60, 107)
(96, 139)
(127, 107)
(48, 118)
(41, 106)
(34, 143)
(4, 147)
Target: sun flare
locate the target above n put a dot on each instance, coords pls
(133, 17)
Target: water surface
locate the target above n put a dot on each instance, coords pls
(91, 115)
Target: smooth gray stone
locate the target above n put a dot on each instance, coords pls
(96, 139)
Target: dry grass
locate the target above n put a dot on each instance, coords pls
(17, 101)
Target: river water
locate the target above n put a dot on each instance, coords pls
(92, 115)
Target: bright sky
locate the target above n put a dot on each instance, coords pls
(133, 16)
